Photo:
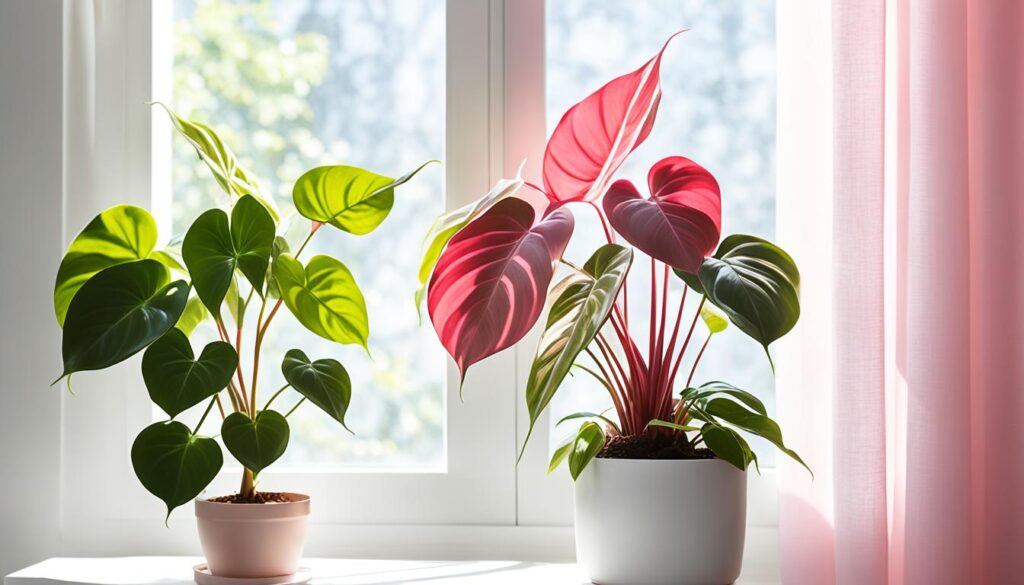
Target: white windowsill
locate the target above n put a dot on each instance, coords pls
(178, 571)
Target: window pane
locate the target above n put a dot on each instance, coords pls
(291, 85)
(718, 109)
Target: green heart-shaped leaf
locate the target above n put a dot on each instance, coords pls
(324, 297)
(118, 312)
(715, 321)
(212, 250)
(255, 444)
(757, 284)
(324, 382)
(176, 380)
(450, 223)
(229, 173)
(173, 464)
(280, 247)
(119, 234)
(582, 305)
(349, 198)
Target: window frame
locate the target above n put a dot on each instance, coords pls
(482, 504)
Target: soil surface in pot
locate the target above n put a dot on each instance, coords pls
(257, 498)
(652, 446)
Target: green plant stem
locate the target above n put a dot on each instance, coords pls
(297, 404)
(206, 413)
(248, 488)
(696, 438)
(256, 356)
(276, 394)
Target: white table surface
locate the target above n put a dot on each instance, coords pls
(178, 571)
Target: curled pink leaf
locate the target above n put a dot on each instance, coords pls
(491, 281)
(681, 222)
(596, 135)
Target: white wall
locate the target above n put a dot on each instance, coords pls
(31, 57)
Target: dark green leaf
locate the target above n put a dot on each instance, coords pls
(349, 198)
(212, 250)
(324, 297)
(173, 464)
(712, 388)
(450, 223)
(691, 280)
(324, 382)
(255, 444)
(583, 301)
(589, 442)
(176, 380)
(725, 444)
(119, 234)
(118, 312)
(759, 424)
(757, 284)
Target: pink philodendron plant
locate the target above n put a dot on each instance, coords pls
(487, 270)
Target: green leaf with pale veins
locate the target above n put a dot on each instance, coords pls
(324, 297)
(213, 250)
(255, 444)
(173, 464)
(757, 284)
(583, 302)
(118, 312)
(228, 172)
(120, 234)
(349, 198)
(324, 382)
(589, 442)
(448, 224)
(176, 380)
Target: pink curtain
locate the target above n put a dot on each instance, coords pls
(904, 382)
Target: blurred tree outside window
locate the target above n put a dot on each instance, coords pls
(295, 84)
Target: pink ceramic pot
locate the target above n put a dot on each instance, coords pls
(253, 540)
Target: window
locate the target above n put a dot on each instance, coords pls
(387, 84)
(294, 85)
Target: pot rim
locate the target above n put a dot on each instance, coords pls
(296, 506)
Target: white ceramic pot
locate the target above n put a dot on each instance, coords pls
(660, 522)
(253, 540)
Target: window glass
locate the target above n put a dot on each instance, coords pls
(718, 108)
(295, 84)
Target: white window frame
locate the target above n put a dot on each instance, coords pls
(481, 504)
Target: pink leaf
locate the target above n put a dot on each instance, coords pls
(680, 224)
(596, 135)
(490, 284)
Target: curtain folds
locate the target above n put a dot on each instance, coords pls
(904, 382)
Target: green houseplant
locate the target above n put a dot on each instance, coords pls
(670, 459)
(116, 294)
